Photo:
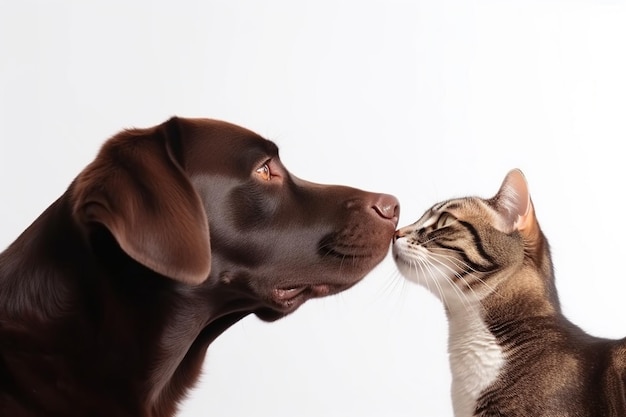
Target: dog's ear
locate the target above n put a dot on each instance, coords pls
(137, 188)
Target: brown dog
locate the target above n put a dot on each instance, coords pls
(109, 300)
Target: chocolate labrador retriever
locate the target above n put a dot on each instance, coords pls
(109, 300)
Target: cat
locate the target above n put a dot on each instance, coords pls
(511, 350)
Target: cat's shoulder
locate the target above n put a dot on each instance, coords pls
(617, 365)
(614, 381)
(618, 355)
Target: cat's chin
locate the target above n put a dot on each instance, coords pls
(408, 269)
(411, 275)
(410, 272)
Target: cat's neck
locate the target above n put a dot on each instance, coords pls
(476, 358)
(476, 346)
(526, 293)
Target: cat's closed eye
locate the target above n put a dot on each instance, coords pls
(446, 219)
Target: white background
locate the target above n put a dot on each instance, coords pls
(426, 100)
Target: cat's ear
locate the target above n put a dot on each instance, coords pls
(514, 204)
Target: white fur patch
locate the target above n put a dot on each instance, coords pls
(475, 358)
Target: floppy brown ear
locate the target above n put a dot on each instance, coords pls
(137, 189)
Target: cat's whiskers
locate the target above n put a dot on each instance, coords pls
(461, 296)
(419, 262)
(430, 273)
(467, 268)
(390, 286)
(469, 271)
(428, 276)
(476, 275)
(432, 277)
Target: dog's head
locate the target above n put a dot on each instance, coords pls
(208, 203)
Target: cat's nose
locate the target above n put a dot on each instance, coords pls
(399, 234)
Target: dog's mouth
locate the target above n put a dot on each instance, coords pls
(283, 301)
(286, 297)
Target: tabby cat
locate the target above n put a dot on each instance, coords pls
(511, 350)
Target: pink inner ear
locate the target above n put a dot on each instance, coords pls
(514, 200)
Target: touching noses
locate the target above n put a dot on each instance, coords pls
(387, 207)
(399, 234)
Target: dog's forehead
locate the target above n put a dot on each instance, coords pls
(217, 142)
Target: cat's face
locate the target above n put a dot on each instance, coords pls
(461, 249)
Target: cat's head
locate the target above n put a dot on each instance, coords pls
(462, 249)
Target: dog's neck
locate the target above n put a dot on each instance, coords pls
(176, 361)
(67, 297)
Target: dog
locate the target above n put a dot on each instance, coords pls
(110, 299)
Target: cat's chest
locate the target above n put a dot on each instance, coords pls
(476, 359)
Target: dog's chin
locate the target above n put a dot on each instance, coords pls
(268, 315)
(284, 301)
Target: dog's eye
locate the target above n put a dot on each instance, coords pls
(264, 172)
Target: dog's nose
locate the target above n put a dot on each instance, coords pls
(387, 206)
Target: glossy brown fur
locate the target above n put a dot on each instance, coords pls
(111, 297)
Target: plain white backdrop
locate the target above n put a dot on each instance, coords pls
(422, 99)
